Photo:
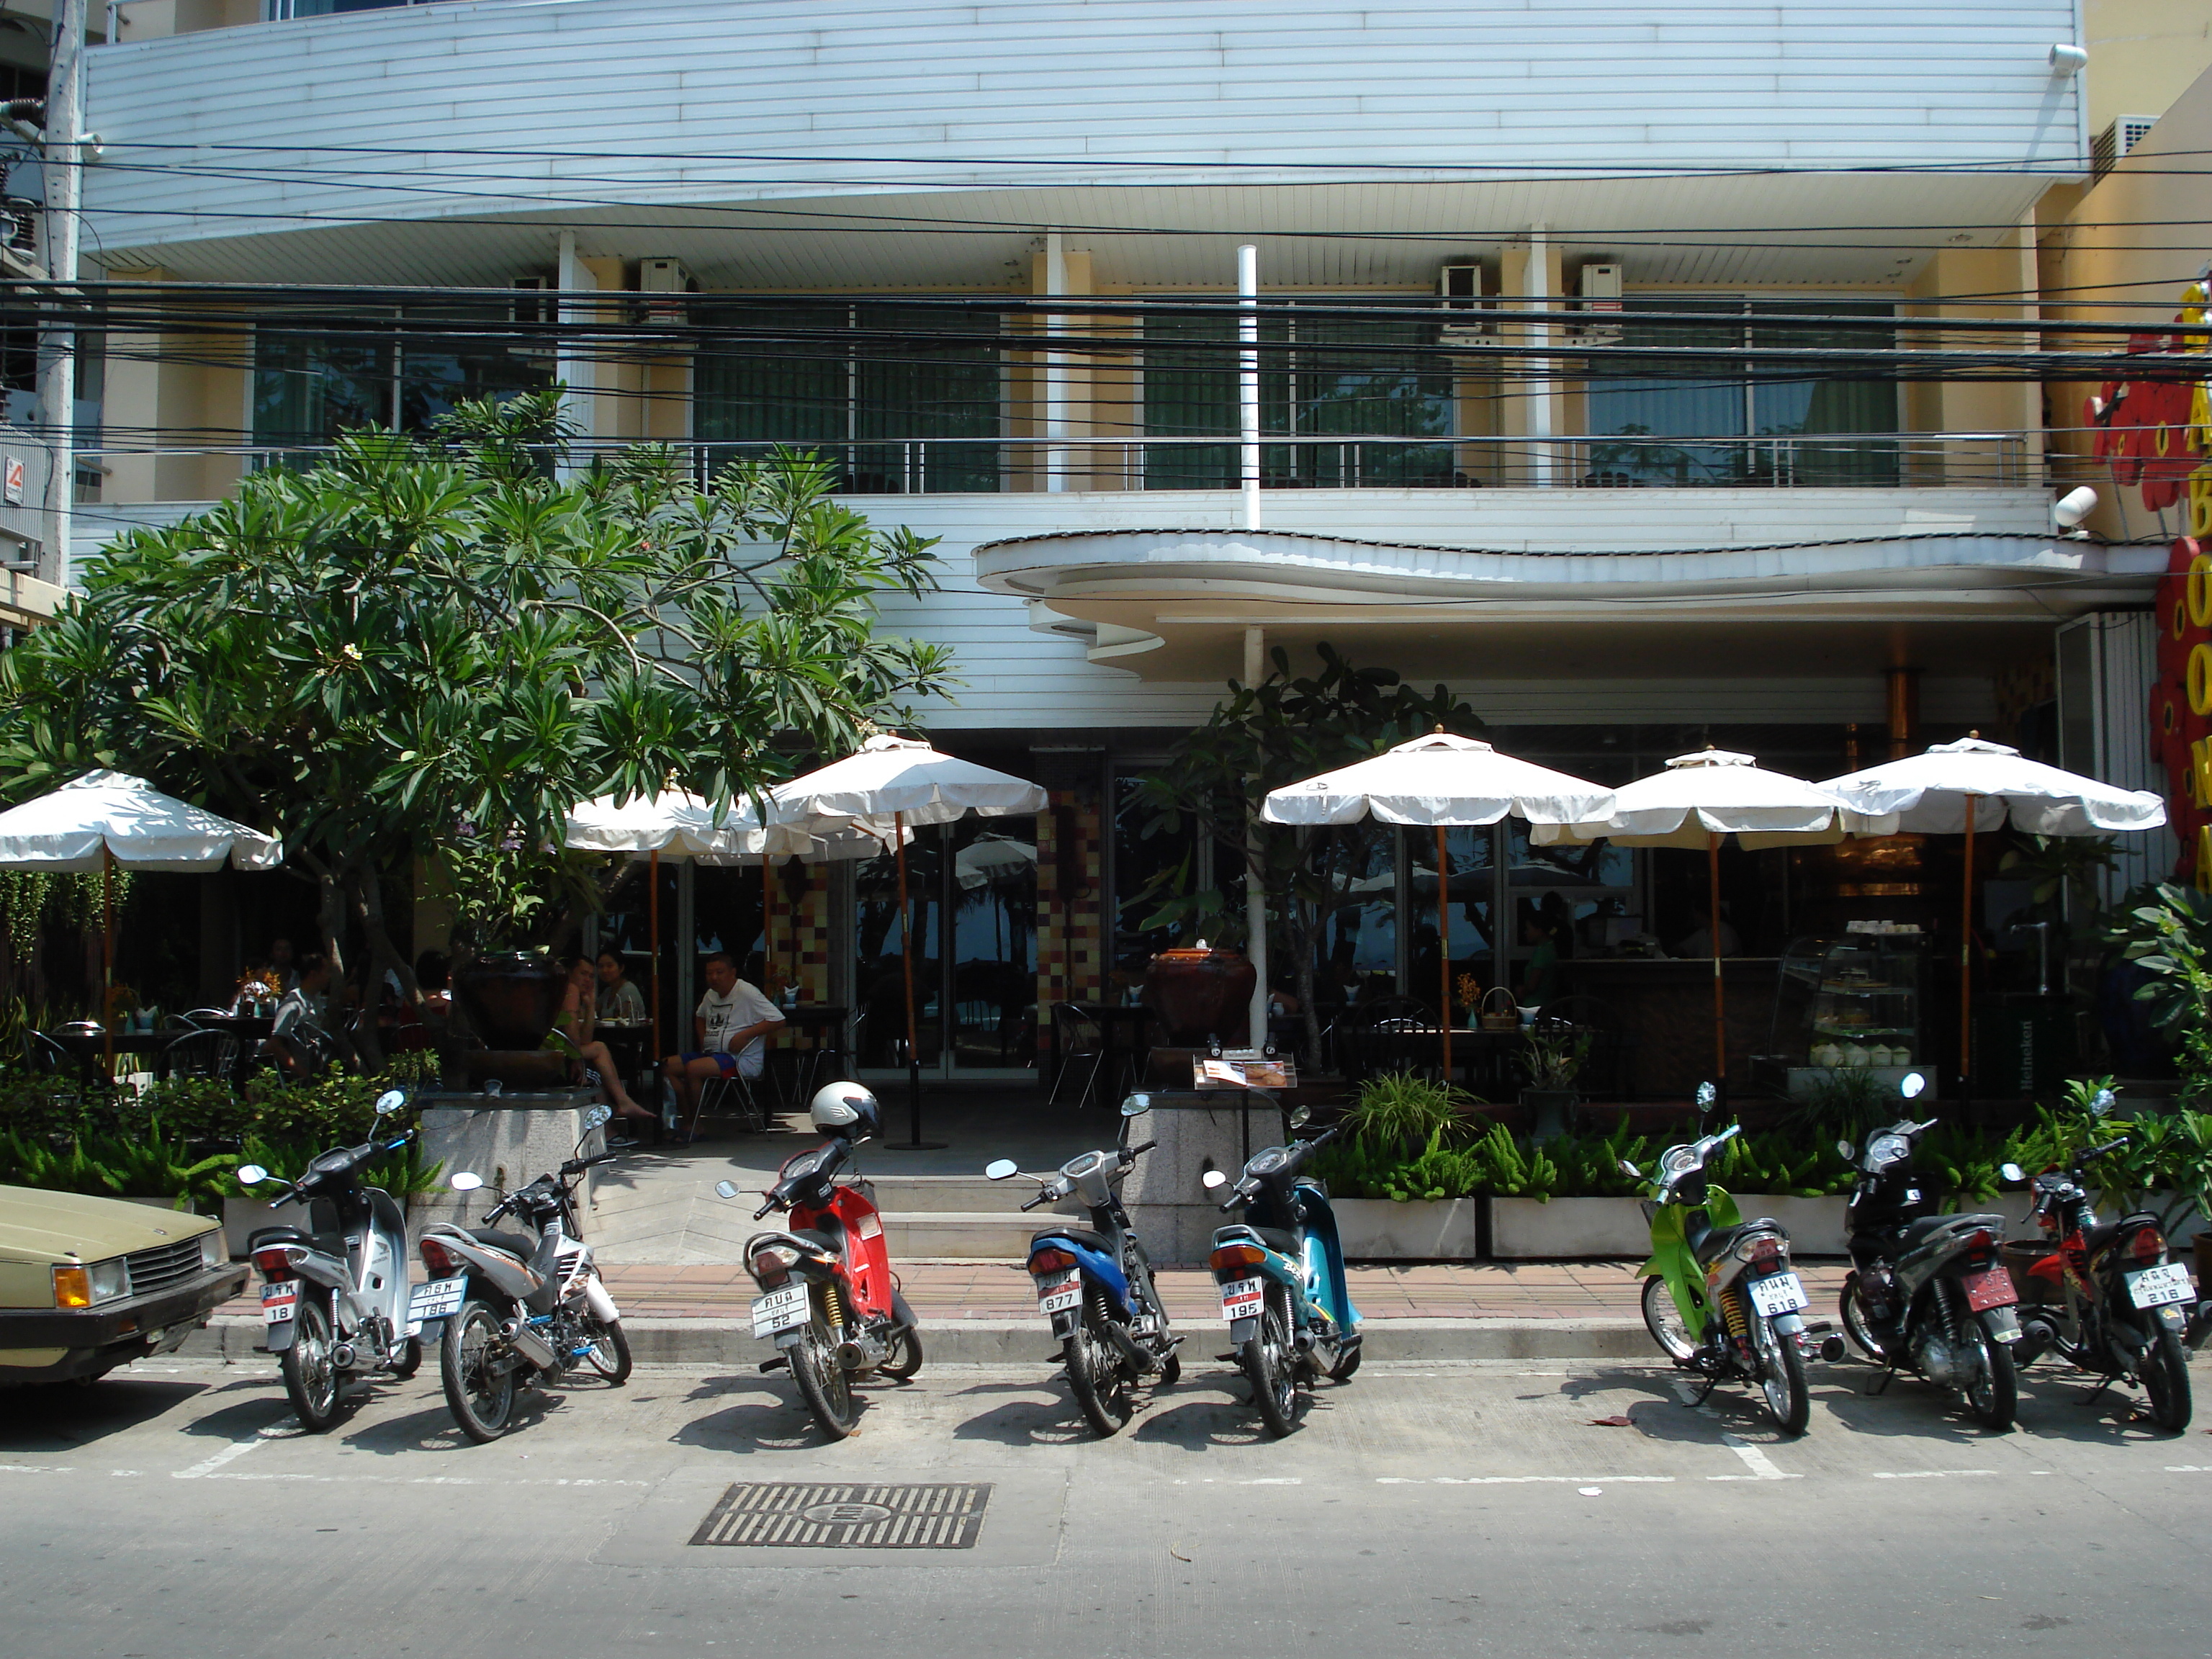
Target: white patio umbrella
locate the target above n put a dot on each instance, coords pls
(989, 857)
(1448, 782)
(767, 848)
(1973, 784)
(893, 785)
(1700, 800)
(105, 818)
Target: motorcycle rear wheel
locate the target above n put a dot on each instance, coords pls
(609, 1354)
(826, 1386)
(481, 1397)
(2166, 1381)
(1993, 1402)
(1100, 1379)
(311, 1379)
(1347, 1362)
(1782, 1377)
(1664, 1321)
(1270, 1363)
(409, 1360)
(1857, 1322)
(902, 1355)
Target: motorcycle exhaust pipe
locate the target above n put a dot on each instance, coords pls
(529, 1345)
(860, 1353)
(1118, 1333)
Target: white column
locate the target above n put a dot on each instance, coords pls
(64, 174)
(1256, 898)
(573, 363)
(1055, 368)
(1247, 384)
(1538, 387)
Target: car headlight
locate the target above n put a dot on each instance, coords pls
(213, 1251)
(87, 1287)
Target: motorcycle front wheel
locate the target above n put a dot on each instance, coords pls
(2166, 1380)
(310, 1375)
(609, 1354)
(1269, 1362)
(1782, 1377)
(826, 1386)
(1100, 1378)
(479, 1381)
(1664, 1321)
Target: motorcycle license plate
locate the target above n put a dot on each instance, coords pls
(1990, 1288)
(2154, 1287)
(780, 1310)
(1781, 1294)
(1242, 1298)
(439, 1299)
(279, 1300)
(1059, 1292)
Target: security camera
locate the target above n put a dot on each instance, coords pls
(2070, 509)
(2069, 60)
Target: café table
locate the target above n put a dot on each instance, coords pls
(629, 1040)
(247, 1032)
(89, 1048)
(822, 1026)
(1125, 1031)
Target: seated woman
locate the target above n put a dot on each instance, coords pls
(572, 1036)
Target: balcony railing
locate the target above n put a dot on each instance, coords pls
(1165, 464)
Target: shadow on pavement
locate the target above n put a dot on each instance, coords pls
(58, 1416)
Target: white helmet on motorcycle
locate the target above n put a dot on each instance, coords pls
(846, 1109)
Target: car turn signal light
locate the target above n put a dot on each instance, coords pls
(72, 1288)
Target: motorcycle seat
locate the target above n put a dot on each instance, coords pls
(1276, 1238)
(1082, 1236)
(513, 1243)
(328, 1243)
(1717, 1242)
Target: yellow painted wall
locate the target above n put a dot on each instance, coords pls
(2143, 55)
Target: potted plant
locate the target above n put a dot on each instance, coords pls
(1409, 1171)
(1553, 1060)
(497, 891)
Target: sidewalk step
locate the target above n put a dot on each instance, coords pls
(913, 1194)
(951, 1234)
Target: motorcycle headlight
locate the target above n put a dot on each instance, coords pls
(1885, 1151)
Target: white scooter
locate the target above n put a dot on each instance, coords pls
(512, 1311)
(335, 1298)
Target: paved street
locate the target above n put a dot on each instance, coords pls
(1422, 1509)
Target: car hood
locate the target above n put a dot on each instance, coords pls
(41, 1226)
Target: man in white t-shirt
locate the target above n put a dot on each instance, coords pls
(731, 1028)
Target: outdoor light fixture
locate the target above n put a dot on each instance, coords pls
(2069, 60)
(2070, 509)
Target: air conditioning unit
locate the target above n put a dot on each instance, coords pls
(1467, 292)
(664, 276)
(1599, 288)
(2116, 140)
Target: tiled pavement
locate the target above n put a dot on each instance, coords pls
(942, 1290)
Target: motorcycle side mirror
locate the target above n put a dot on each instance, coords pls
(2104, 1102)
(1136, 1105)
(1001, 1168)
(2012, 1172)
(724, 1189)
(465, 1180)
(1707, 1094)
(1631, 1170)
(1300, 1116)
(252, 1175)
(391, 1101)
(1845, 1150)
(1213, 1181)
(1912, 1085)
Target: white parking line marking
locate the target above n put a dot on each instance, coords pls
(1928, 1474)
(35, 1468)
(1761, 1466)
(236, 1450)
(1521, 1479)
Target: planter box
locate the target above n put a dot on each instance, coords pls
(1573, 1228)
(1379, 1229)
(243, 1216)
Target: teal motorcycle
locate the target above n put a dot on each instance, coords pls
(1281, 1272)
(1720, 1297)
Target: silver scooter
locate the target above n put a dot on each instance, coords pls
(335, 1299)
(511, 1311)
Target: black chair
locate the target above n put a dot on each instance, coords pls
(197, 1053)
(1389, 1033)
(1605, 1069)
(1079, 1044)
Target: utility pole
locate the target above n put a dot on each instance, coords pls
(64, 170)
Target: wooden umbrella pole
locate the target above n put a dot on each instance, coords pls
(652, 940)
(767, 938)
(1720, 992)
(1444, 946)
(1966, 959)
(906, 955)
(107, 953)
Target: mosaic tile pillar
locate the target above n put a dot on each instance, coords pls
(1071, 903)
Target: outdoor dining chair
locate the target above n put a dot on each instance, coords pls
(1079, 1044)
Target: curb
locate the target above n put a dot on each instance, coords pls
(1028, 1342)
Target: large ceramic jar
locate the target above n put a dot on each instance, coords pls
(1199, 993)
(510, 998)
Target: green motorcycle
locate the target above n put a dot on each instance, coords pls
(1720, 1297)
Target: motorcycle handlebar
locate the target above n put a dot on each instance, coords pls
(764, 1209)
(1041, 1198)
(2090, 1155)
(1133, 1151)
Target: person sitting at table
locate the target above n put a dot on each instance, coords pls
(1540, 979)
(300, 1045)
(619, 1000)
(730, 1027)
(591, 1063)
(283, 964)
(434, 981)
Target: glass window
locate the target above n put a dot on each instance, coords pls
(1356, 949)
(1692, 398)
(307, 388)
(1469, 853)
(1810, 406)
(477, 356)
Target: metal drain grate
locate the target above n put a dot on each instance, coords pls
(855, 1516)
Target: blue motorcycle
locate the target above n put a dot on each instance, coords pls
(1095, 1284)
(1281, 1273)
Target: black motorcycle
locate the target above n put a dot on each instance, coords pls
(1928, 1292)
(2121, 1309)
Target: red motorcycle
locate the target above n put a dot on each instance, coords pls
(2122, 1308)
(829, 1300)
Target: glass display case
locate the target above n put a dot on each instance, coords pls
(1850, 1003)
